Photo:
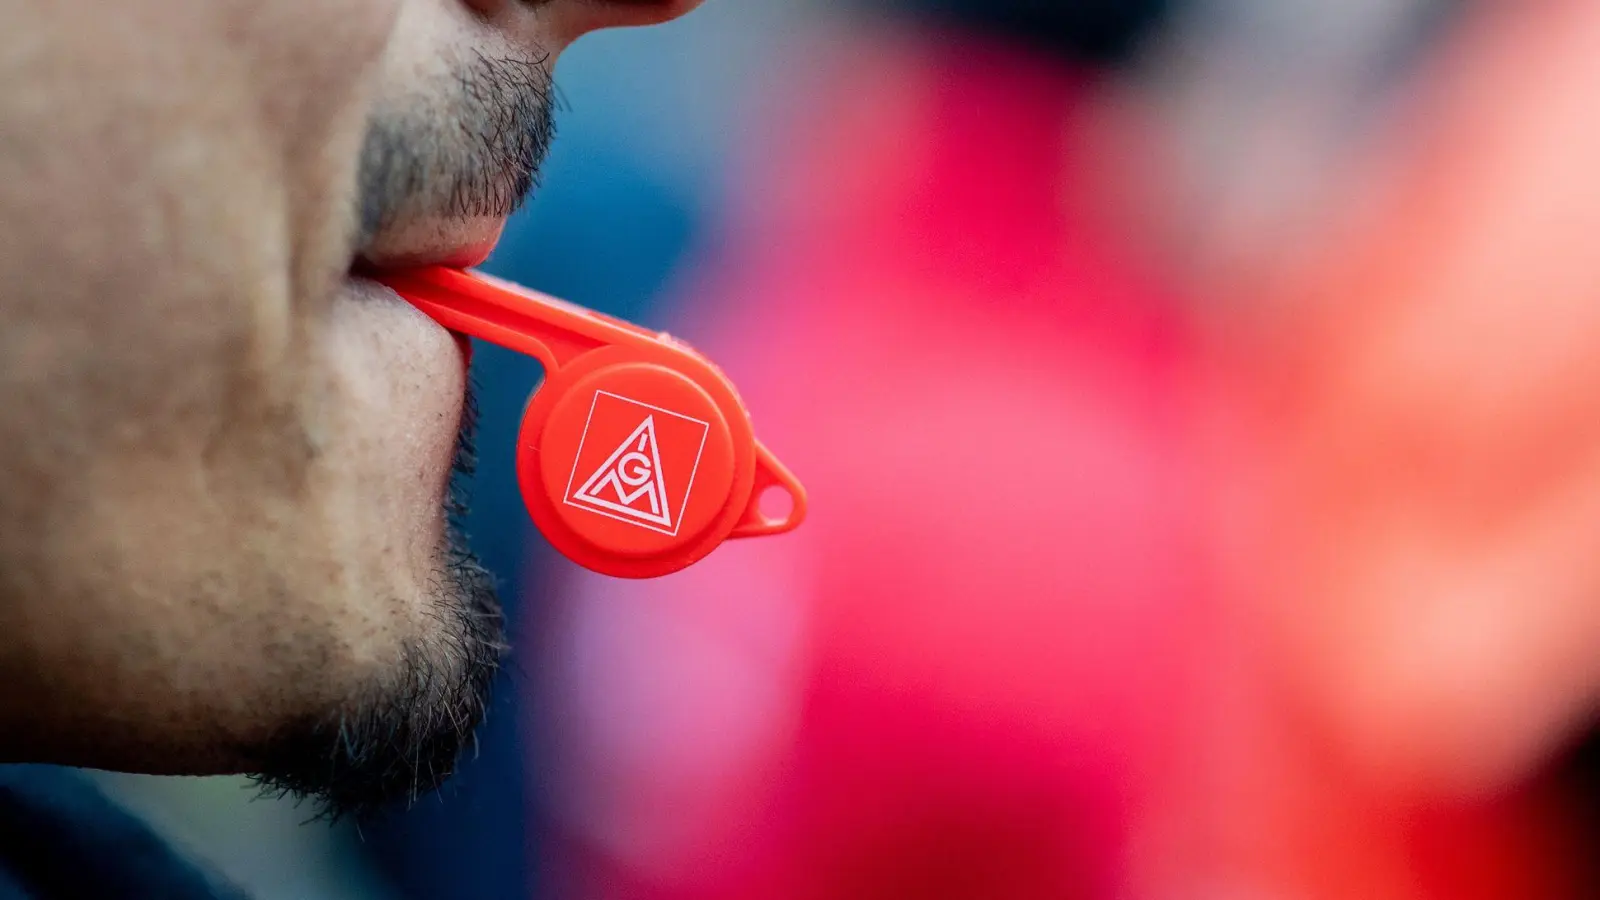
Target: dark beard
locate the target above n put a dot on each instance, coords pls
(403, 739)
(477, 154)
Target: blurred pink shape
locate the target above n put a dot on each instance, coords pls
(1015, 653)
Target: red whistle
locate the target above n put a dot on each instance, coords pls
(636, 456)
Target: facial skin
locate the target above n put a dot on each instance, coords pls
(225, 540)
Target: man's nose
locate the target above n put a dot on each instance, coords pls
(568, 20)
(596, 14)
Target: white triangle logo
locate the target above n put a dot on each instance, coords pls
(630, 482)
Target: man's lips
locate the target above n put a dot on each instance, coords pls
(458, 244)
(456, 258)
(365, 285)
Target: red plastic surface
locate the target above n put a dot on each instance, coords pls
(636, 456)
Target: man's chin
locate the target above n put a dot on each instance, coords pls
(425, 624)
(400, 736)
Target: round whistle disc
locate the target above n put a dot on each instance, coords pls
(638, 461)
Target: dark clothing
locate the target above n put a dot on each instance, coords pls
(60, 837)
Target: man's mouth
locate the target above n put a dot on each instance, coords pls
(456, 243)
(429, 241)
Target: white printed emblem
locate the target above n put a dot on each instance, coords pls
(631, 484)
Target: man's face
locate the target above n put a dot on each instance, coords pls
(225, 457)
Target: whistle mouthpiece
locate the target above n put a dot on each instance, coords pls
(636, 457)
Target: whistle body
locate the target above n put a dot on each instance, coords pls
(636, 457)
